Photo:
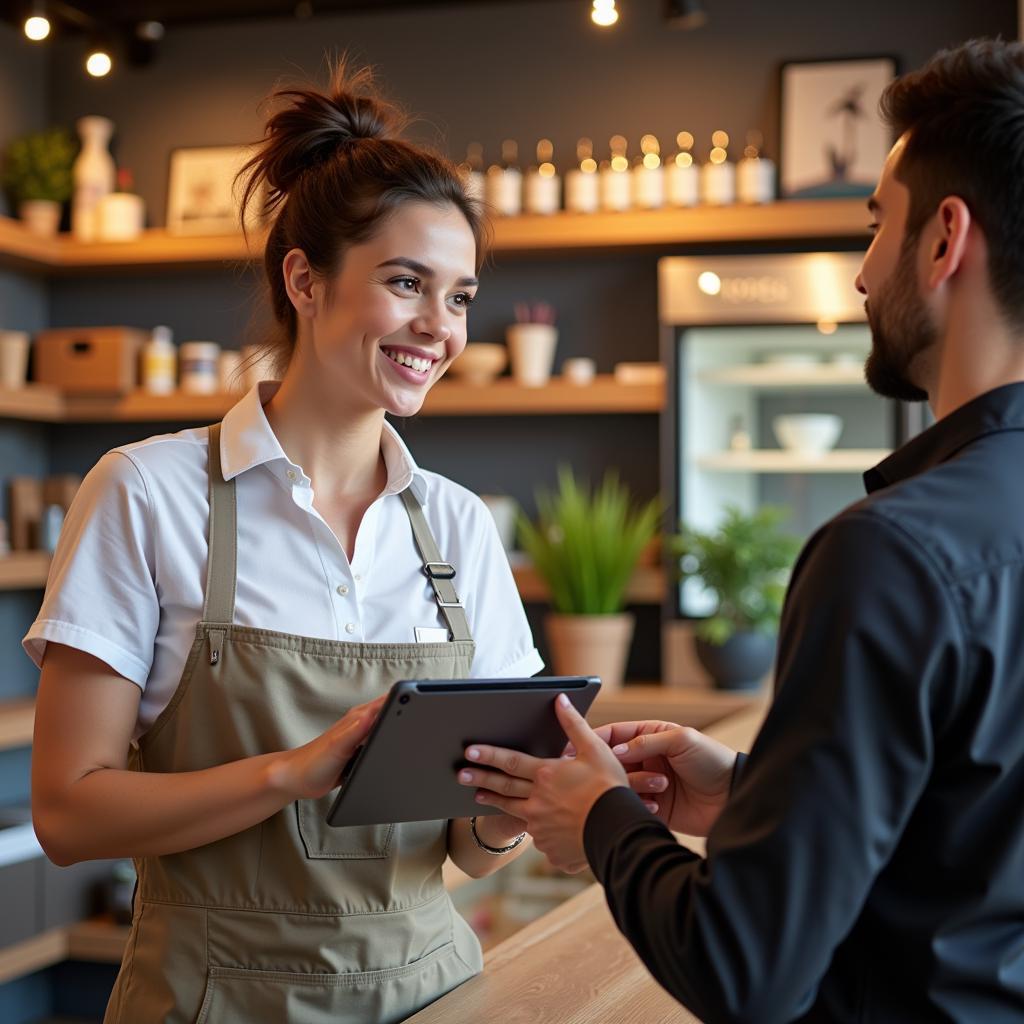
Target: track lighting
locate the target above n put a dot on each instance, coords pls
(603, 13)
(685, 14)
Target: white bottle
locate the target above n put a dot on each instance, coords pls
(472, 171)
(93, 175)
(616, 194)
(503, 187)
(755, 174)
(718, 175)
(159, 363)
(683, 185)
(542, 187)
(649, 176)
(581, 182)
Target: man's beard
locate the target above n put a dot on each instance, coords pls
(900, 332)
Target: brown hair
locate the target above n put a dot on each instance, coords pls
(964, 112)
(330, 168)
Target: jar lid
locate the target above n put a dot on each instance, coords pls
(200, 350)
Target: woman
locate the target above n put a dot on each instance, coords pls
(221, 596)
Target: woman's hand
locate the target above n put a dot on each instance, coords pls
(697, 768)
(315, 768)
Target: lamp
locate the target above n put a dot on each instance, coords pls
(603, 13)
(98, 61)
(37, 24)
(685, 14)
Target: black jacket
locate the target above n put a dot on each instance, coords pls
(869, 865)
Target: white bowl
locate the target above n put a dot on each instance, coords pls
(808, 433)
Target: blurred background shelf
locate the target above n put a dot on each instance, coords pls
(843, 460)
(24, 570)
(778, 377)
(646, 587)
(32, 402)
(16, 721)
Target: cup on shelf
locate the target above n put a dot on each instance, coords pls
(198, 363)
(14, 348)
(579, 371)
(531, 348)
(808, 434)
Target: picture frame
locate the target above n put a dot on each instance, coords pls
(832, 140)
(201, 194)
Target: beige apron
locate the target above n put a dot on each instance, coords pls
(290, 921)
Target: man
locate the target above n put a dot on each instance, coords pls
(867, 862)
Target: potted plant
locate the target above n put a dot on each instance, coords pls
(585, 545)
(744, 565)
(37, 176)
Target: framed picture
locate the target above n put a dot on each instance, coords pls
(833, 141)
(201, 197)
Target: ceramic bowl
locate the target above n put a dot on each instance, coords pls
(480, 363)
(808, 433)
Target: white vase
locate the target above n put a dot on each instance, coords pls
(40, 216)
(93, 175)
(531, 348)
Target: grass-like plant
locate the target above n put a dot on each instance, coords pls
(586, 544)
(745, 563)
(38, 166)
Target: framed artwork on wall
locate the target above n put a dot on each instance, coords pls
(201, 194)
(833, 141)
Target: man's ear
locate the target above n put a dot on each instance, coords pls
(949, 244)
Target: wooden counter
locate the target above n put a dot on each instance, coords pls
(572, 966)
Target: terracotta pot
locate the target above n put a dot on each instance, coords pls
(590, 645)
(741, 663)
(40, 216)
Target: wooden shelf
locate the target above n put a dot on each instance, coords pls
(779, 377)
(702, 225)
(24, 570)
(16, 720)
(448, 398)
(647, 586)
(99, 940)
(841, 460)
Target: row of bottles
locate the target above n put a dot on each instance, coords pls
(648, 181)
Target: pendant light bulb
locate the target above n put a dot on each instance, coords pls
(37, 24)
(98, 63)
(603, 13)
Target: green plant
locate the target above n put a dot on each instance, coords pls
(745, 564)
(585, 545)
(38, 166)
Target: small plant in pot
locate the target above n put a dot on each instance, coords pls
(585, 545)
(744, 564)
(37, 177)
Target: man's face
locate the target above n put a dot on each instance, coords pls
(902, 329)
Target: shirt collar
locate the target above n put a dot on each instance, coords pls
(993, 412)
(247, 440)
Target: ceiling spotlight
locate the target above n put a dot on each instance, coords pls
(98, 62)
(685, 14)
(37, 24)
(604, 13)
(142, 42)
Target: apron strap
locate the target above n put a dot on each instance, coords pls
(439, 572)
(222, 559)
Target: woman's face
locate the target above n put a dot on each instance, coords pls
(394, 317)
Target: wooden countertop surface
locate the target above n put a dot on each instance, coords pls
(572, 966)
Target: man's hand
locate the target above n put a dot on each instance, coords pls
(556, 805)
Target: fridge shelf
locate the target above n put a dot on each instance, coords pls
(780, 377)
(842, 460)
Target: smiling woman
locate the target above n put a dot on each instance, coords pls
(221, 596)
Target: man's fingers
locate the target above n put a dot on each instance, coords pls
(511, 762)
(651, 744)
(508, 804)
(580, 735)
(496, 782)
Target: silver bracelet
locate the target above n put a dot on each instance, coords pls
(496, 851)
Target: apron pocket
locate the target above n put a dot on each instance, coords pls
(240, 996)
(323, 842)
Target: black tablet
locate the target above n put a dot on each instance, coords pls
(406, 770)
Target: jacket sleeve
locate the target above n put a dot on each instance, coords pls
(869, 635)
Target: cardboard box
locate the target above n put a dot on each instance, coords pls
(89, 360)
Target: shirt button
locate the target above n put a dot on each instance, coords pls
(342, 589)
(358, 579)
(350, 627)
(292, 475)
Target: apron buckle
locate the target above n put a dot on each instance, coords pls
(216, 643)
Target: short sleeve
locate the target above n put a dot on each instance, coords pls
(497, 619)
(100, 596)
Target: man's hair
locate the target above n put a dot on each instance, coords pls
(964, 112)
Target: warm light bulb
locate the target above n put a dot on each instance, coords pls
(718, 155)
(827, 327)
(652, 160)
(709, 283)
(37, 27)
(684, 140)
(604, 13)
(620, 163)
(98, 63)
(546, 170)
(684, 159)
(588, 166)
(720, 139)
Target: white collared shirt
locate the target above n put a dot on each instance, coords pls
(128, 576)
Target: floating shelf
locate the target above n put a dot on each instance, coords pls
(447, 398)
(17, 718)
(778, 377)
(842, 460)
(158, 249)
(24, 570)
(648, 585)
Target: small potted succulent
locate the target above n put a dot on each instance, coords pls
(744, 565)
(585, 545)
(37, 177)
